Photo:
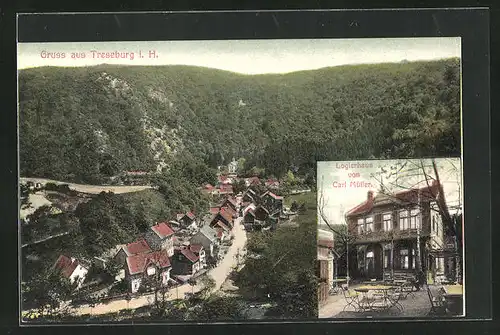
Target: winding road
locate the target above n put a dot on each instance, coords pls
(90, 189)
(219, 274)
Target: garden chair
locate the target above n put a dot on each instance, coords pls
(351, 297)
(396, 295)
(438, 303)
(407, 289)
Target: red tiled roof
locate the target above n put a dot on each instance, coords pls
(222, 225)
(277, 197)
(190, 215)
(66, 265)
(226, 214)
(139, 263)
(364, 207)
(214, 210)
(208, 187)
(137, 247)
(229, 210)
(231, 200)
(163, 230)
(196, 248)
(427, 193)
(189, 255)
(226, 187)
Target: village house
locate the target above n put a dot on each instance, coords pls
(208, 188)
(199, 251)
(272, 184)
(207, 237)
(273, 202)
(72, 269)
(391, 231)
(186, 220)
(185, 261)
(250, 206)
(250, 195)
(252, 181)
(225, 189)
(225, 216)
(135, 248)
(155, 265)
(160, 236)
(224, 180)
(229, 202)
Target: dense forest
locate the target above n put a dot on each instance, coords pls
(86, 124)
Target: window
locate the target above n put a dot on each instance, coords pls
(404, 258)
(433, 224)
(361, 226)
(387, 218)
(369, 224)
(403, 220)
(151, 271)
(387, 257)
(413, 258)
(414, 219)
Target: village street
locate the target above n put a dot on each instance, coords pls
(91, 189)
(219, 274)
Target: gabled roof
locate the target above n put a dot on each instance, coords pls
(226, 214)
(231, 200)
(208, 232)
(137, 247)
(196, 248)
(65, 265)
(251, 212)
(410, 196)
(190, 215)
(225, 189)
(251, 206)
(191, 256)
(229, 210)
(139, 263)
(214, 210)
(222, 225)
(277, 197)
(163, 230)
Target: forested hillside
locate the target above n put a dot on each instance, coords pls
(85, 124)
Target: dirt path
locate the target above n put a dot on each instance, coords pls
(91, 189)
(219, 274)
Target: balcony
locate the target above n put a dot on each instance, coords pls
(387, 236)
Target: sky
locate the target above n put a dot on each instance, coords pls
(244, 56)
(339, 200)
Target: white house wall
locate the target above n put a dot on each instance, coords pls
(79, 274)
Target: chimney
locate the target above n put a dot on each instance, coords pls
(370, 196)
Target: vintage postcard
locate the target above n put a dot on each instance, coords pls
(179, 180)
(390, 238)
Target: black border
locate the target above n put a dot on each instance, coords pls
(471, 24)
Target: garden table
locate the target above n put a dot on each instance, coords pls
(370, 303)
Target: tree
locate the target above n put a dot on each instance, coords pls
(411, 174)
(46, 291)
(155, 282)
(208, 284)
(342, 237)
